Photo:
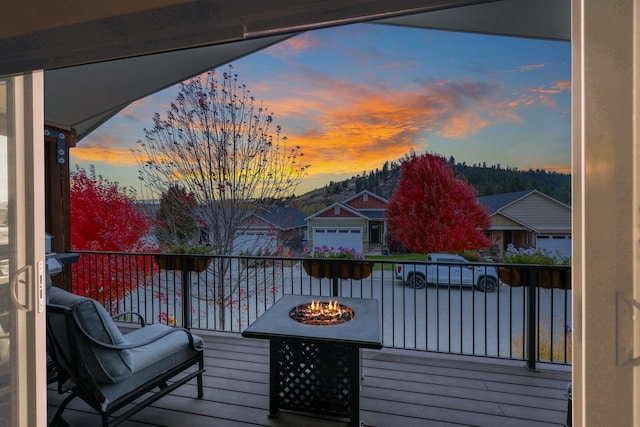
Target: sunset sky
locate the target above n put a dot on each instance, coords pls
(354, 97)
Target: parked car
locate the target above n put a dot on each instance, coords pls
(448, 269)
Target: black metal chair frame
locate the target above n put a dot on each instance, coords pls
(74, 377)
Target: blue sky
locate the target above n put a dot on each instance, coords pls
(356, 96)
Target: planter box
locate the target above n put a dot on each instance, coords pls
(547, 277)
(183, 262)
(319, 268)
(355, 270)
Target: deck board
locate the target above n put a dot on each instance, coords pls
(401, 387)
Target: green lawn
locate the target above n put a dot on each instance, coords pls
(395, 257)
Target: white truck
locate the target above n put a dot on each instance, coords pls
(450, 270)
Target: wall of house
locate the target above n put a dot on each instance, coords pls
(371, 202)
(337, 211)
(540, 213)
(501, 222)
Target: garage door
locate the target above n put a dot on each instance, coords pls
(347, 237)
(560, 243)
(253, 242)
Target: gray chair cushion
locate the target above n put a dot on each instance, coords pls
(106, 365)
(164, 347)
(153, 360)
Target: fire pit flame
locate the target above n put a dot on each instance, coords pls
(321, 313)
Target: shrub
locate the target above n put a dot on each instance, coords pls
(533, 256)
(553, 349)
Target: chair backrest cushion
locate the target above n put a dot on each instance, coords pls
(106, 365)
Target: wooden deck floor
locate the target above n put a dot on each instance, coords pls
(401, 388)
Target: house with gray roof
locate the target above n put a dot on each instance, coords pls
(357, 222)
(528, 218)
(272, 229)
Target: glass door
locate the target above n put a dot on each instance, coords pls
(22, 309)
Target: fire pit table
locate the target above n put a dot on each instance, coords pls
(317, 366)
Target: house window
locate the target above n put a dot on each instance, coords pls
(336, 210)
(365, 197)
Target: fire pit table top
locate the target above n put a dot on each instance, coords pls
(363, 330)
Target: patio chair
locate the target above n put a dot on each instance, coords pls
(109, 370)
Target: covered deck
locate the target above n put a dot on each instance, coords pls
(400, 388)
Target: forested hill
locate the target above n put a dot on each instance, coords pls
(489, 180)
(495, 180)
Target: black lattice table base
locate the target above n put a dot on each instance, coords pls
(315, 368)
(315, 376)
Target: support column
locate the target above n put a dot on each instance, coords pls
(605, 210)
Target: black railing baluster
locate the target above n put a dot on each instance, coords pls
(335, 279)
(186, 291)
(530, 336)
(551, 327)
(566, 331)
(511, 322)
(497, 314)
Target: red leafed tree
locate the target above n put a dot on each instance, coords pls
(105, 217)
(433, 211)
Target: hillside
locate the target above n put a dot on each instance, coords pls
(488, 180)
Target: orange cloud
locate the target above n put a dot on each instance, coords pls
(105, 147)
(563, 85)
(549, 167)
(293, 46)
(543, 95)
(464, 124)
(344, 125)
(109, 155)
(135, 105)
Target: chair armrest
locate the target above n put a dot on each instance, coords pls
(170, 330)
(131, 313)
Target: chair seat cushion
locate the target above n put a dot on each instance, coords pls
(154, 360)
(145, 355)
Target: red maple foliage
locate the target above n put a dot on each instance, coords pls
(433, 211)
(105, 217)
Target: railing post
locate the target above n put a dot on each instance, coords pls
(186, 291)
(532, 286)
(335, 273)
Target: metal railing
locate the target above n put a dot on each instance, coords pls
(227, 293)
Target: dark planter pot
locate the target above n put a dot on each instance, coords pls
(317, 268)
(547, 277)
(355, 270)
(182, 262)
(512, 276)
(321, 268)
